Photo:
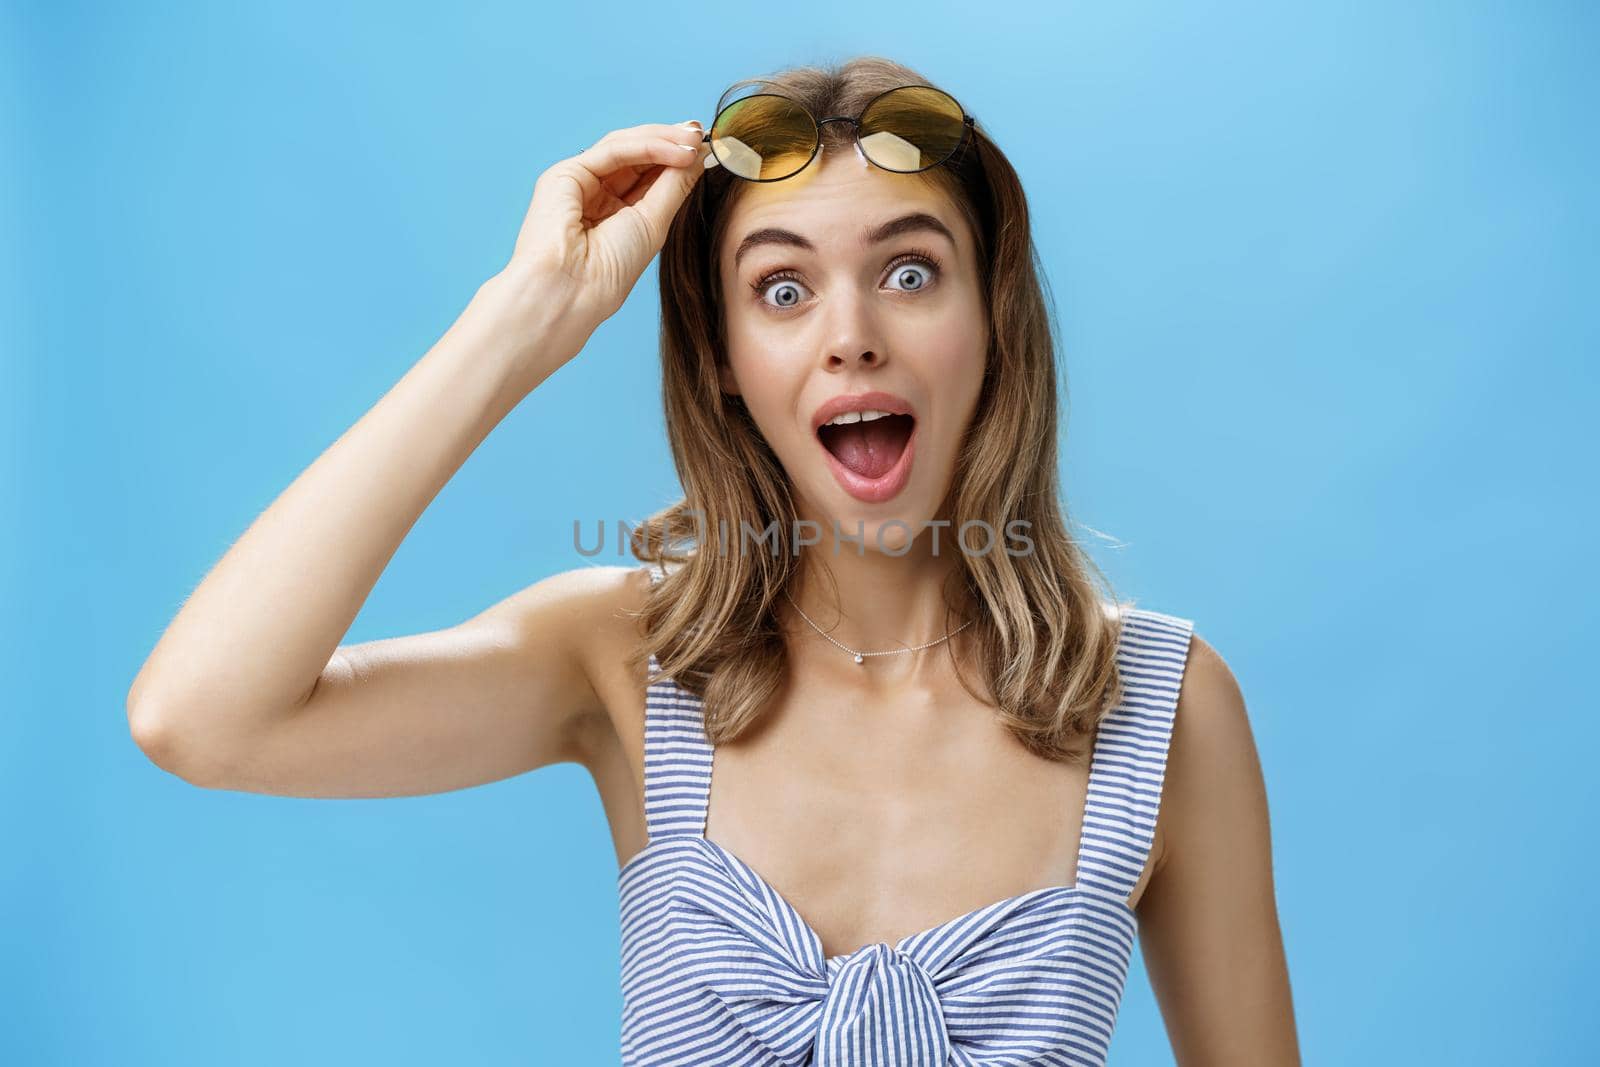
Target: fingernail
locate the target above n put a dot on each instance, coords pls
(691, 122)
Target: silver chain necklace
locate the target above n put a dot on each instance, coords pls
(861, 656)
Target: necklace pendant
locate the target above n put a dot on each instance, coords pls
(860, 658)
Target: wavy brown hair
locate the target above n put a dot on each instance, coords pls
(1045, 636)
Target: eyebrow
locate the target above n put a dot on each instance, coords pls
(914, 222)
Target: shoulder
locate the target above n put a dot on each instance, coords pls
(1213, 775)
(595, 610)
(1166, 650)
(585, 600)
(590, 613)
(1211, 720)
(600, 606)
(1207, 680)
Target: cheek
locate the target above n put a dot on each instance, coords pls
(953, 348)
(953, 363)
(769, 381)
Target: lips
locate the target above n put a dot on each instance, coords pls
(881, 401)
(871, 459)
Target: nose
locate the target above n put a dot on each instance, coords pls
(854, 340)
(846, 359)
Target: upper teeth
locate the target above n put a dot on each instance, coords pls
(856, 416)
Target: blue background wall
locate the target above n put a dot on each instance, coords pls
(1326, 281)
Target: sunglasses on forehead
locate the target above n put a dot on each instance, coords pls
(766, 136)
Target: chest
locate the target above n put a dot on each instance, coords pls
(876, 822)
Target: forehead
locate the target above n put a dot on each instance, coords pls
(831, 203)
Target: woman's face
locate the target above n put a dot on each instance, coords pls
(820, 311)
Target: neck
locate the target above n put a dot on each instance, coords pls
(873, 602)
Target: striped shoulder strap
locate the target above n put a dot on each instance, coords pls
(1130, 752)
(677, 757)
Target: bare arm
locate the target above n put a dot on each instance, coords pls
(250, 659)
(1208, 921)
(248, 687)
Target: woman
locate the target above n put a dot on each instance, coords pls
(952, 780)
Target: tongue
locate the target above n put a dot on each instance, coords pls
(868, 448)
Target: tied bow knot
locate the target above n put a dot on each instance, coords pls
(875, 1005)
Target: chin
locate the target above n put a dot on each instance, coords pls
(890, 535)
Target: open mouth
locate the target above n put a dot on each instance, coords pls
(871, 458)
(870, 449)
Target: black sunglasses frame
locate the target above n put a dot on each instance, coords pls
(967, 121)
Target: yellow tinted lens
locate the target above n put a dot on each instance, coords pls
(911, 129)
(764, 137)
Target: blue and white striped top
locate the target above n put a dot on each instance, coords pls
(718, 969)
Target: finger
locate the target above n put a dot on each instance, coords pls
(594, 199)
(666, 194)
(630, 185)
(606, 205)
(627, 179)
(640, 188)
(610, 157)
(622, 181)
(621, 157)
(659, 129)
(688, 133)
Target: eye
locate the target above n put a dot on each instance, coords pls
(916, 270)
(912, 264)
(786, 290)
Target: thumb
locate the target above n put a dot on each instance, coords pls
(667, 193)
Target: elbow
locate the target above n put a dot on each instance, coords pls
(159, 736)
